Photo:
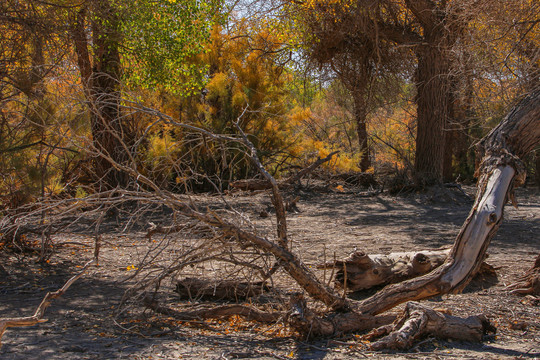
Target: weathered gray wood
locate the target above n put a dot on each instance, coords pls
(365, 271)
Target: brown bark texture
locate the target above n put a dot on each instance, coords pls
(360, 114)
(432, 85)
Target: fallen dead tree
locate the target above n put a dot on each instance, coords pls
(418, 321)
(191, 288)
(215, 312)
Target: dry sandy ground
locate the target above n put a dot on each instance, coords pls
(82, 324)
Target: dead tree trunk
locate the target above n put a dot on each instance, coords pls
(360, 271)
(417, 321)
(499, 172)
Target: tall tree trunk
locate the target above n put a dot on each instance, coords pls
(100, 79)
(450, 147)
(107, 127)
(432, 100)
(360, 115)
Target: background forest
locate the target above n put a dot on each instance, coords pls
(398, 87)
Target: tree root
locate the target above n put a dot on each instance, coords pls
(309, 324)
(528, 283)
(418, 321)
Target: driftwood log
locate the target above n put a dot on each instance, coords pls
(361, 271)
(418, 321)
(264, 184)
(224, 311)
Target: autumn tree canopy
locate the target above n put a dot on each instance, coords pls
(424, 80)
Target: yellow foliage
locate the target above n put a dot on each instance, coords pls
(217, 86)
